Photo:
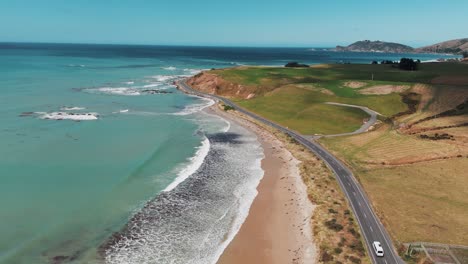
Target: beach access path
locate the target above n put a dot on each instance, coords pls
(371, 227)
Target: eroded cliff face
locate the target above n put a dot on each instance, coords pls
(213, 84)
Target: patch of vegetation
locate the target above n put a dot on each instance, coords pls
(408, 64)
(228, 108)
(333, 225)
(296, 65)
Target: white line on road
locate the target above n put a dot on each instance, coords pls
(365, 215)
(372, 230)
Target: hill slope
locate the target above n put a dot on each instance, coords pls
(451, 46)
(376, 46)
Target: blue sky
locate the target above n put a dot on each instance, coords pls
(232, 22)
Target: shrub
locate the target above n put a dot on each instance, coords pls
(408, 64)
(295, 64)
(353, 259)
(325, 257)
(228, 108)
(333, 225)
(387, 62)
(465, 54)
(338, 251)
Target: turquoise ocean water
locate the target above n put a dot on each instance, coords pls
(95, 139)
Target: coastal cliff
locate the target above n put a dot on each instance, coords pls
(213, 84)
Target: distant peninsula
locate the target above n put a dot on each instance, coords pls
(376, 46)
(456, 46)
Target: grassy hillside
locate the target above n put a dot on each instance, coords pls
(271, 78)
(413, 165)
(301, 107)
(416, 177)
(295, 97)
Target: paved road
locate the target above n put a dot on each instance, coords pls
(371, 228)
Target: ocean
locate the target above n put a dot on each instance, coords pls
(102, 160)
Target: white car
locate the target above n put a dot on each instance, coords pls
(378, 248)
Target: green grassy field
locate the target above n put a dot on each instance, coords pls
(417, 186)
(295, 97)
(275, 77)
(305, 110)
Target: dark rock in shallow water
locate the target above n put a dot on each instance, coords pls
(153, 91)
(26, 114)
(296, 65)
(60, 259)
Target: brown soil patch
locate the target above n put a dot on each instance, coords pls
(355, 84)
(321, 66)
(426, 95)
(213, 84)
(447, 98)
(384, 89)
(451, 80)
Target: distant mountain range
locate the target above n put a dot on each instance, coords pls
(456, 46)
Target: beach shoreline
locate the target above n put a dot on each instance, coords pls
(277, 228)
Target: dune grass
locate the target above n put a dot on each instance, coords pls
(417, 199)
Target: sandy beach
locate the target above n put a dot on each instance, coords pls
(277, 229)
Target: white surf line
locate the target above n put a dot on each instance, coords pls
(194, 163)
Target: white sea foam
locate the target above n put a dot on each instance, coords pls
(68, 116)
(228, 126)
(245, 195)
(129, 83)
(194, 163)
(192, 71)
(115, 91)
(428, 61)
(152, 85)
(194, 108)
(76, 65)
(170, 68)
(164, 78)
(196, 220)
(72, 108)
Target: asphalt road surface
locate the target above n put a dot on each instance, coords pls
(371, 227)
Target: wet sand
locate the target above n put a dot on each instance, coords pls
(277, 229)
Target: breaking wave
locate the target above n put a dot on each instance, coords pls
(195, 163)
(195, 108)
(72, 108)
(195, 219)
(68, 116)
